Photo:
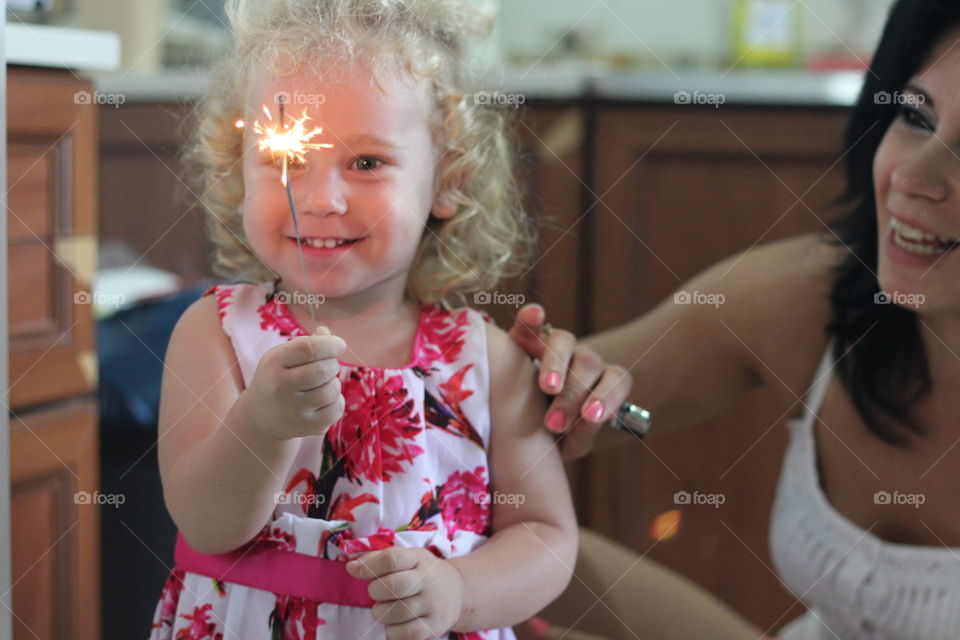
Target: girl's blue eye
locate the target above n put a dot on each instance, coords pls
(366, 163)
(915, 118)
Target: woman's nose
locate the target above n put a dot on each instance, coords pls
(931, 173)
(323, 192)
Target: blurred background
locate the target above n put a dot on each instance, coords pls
(654, 138)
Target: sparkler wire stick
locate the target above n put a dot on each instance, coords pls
(296, 223)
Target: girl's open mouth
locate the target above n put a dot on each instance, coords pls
(328, 243)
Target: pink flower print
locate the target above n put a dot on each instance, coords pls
(375, 436)
(277, 538)
(274, 316)
(441, 335)
(344, 505)
(170, 596)
(223, 295)
(428, 509)
(312, 504)
(294, 618)
(446, 413)
(200, 628)
(383, 539)
(464, 502)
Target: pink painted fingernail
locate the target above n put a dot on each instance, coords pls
(595, 411)
(553, 380)
(555, 420)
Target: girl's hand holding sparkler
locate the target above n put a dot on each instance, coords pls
(295, 391)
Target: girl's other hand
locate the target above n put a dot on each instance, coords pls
(419, 596)
(295, 391)
(588, 391)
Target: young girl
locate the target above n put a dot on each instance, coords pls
(384, 475)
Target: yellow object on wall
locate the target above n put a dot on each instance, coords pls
(767, 33)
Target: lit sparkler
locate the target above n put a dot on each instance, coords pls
(289, 144)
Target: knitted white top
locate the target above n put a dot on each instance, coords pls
(856, 585)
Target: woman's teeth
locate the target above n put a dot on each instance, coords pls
(325, 243)
(919, 241)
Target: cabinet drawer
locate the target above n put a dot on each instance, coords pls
(54, 535)
(52, 242)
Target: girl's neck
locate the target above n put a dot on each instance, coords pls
(379, 330)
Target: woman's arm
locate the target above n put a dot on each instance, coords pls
(690, 361)
(619, 594)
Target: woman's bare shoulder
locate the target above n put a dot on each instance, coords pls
(780, 294)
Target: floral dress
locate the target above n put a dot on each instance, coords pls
(406, 465)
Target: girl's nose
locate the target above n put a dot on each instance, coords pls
(929, 173)
(323, 192)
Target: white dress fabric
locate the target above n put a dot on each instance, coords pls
(406, 465)
(857, 586)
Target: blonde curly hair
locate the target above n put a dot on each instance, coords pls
(489, 238)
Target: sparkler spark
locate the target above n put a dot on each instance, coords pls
(289, 142)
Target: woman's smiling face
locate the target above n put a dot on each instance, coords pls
(363, 203)
(916, 174)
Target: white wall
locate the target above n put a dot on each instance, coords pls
(677, 30)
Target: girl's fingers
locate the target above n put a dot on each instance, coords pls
(396, 586)
(526, 329)
(315, 374)
(380, 563)
(305, 349)
(416, 629)
(586, 370)
(399, 611)
(322, 396)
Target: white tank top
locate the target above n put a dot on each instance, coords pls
(856, 585)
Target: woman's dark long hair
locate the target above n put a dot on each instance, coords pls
(885, 368)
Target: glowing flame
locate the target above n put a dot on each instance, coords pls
(288, 142)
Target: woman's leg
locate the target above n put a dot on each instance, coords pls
(616, 594)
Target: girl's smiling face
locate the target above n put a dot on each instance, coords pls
(362, 204)
(917, 179)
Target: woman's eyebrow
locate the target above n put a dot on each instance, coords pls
(912, 88)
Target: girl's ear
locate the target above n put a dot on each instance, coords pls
(443, 206)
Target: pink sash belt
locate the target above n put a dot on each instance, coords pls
(284, 572)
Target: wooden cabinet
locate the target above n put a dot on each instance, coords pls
(53, 414)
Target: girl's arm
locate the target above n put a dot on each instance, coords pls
(528, 560)
(530, 557)
(223, 450)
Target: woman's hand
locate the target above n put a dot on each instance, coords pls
(419, 596)
(295, 390)
(588, 392)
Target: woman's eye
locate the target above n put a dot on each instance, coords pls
(366, 163)
(915, 118)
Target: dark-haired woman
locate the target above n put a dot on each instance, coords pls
(879, 373)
